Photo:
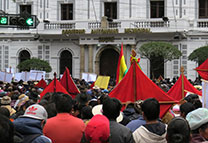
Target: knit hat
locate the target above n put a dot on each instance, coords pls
(98, 129)
(6, 100)
(36, 111)
(197, 118)
(98, 110)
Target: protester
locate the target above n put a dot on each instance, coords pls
(153, 131)
(6, 130)
(98, 130)
(64, 128)
(119, 133)
(185, 108)
(31, 124)
(178, 131)
(134, 124)
(5, 102)
(4, 111)
(198, 121)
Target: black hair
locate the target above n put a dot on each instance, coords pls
(151, 109)
(6, 130)
(186, 107)
(4, 111)
(178, 131)
(111, 108)
(86, 112)
(63, 102)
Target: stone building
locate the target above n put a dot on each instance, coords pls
(86, 35)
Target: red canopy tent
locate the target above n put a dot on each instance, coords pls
(137, 86)
(54, 86)
(203, 70)
(68, 83)
(41, 84)
(181, 88)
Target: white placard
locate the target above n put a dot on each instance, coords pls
(89, 77)
(10, 70)
(205, 93)
(37, 75)
(6, 77)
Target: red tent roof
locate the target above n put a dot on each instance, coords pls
(54, 86)
(41, 84)
(68, 83)
(176, 90)
(144, 88)
(203, 69)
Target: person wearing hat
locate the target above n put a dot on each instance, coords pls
(119, 134)
(5, 102)
(98, 130)
(198, 121)
(31, 124)
(64, 128)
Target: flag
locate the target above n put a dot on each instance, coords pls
(54, 86)
(68, 83)
(176, 90)
(41, 84)
(121, 67)
(137, 86)
(203, 69)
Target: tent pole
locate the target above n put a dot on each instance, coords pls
(182, 73)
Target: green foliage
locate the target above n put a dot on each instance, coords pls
(157, 49)
(199, 55)
(34, 64)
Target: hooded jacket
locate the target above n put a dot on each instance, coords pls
(28, 126)
(143, 135)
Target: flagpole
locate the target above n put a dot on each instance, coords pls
(54, 82)
(134, 74)
(67, 88)
(182, 74)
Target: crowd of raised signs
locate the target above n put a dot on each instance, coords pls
(93, 117)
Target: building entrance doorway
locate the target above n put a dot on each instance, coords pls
(65, 61)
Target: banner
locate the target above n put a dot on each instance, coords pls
(25, 76)
(37, 75)
(89, 77)
(6, 77)
(102, 81)
(205, 93)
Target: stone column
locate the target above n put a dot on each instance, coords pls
(90, 56)
(82, 59)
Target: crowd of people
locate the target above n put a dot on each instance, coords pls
(94, 117)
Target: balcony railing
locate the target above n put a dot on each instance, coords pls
(151, 24)
(59, 26)
(202, 23)
(96, 25)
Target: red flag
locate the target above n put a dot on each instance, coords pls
(145, 88)
(41, 84)
(203, 69)
(68, 83)
(176, 90)
(54, 86)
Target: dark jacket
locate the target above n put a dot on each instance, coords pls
(134, 124)
(120, 133)
(28, 126)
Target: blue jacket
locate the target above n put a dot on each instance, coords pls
(28, 126)
(134, 124)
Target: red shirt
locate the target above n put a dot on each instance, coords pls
(64, 128)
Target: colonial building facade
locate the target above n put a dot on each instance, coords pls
(86, 35)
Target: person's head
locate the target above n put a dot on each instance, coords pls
(178, 131)
(191, 97)
(6, 100)
(4, 111)
(151, 109)
(36, 112)
(185, 108)
(111, 108)
(63, 103)
(6, 130)
(198, 121)
(86, 112)
(98, 130)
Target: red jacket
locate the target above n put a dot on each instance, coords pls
(64, 128)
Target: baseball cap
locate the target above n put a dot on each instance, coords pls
(197, 118)
(98, 129)
(36, 111)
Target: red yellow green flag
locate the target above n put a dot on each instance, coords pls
(121, 67)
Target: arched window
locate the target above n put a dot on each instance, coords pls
(65, 61)
(24, 55)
